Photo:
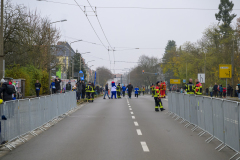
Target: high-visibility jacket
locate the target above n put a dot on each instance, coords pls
(198, 88)
(88, 88)
(118, 89)
(93, 89)
(190, 88)
(143, 89)
(161, 86)
(156, 91)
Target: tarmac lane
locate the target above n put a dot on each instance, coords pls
(119, 129)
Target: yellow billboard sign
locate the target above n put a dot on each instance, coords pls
(175, 81)
(225, 71)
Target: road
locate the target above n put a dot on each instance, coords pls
(107, 130)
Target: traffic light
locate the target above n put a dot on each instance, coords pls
(142, 71)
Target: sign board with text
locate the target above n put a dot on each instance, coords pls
(225, 71)
(201, 77)
(175, 81)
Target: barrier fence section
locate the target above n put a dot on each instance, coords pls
(215, 116)
(23, 116)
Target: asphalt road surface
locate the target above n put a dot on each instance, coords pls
(113, 130)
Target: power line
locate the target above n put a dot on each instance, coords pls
(146, 8)
(91, 25)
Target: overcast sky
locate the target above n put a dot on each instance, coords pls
(133, 28)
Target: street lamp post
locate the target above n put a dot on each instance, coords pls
(72, 60)
(50, 69)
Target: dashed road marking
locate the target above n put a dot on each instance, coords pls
(130, 109)
(133, 117)
(139, 132)
(129, 106)
(136, 123)
(144, 146)
(131, 112)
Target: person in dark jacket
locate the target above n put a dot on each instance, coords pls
(79, 89)
(106, 91)
(68, 86)
(57, 85)
(37, 87)
(130, 88)
(83, 89)
(215, 90)
(7, 89)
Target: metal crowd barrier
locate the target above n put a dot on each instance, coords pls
(217, 117)
(23, 116)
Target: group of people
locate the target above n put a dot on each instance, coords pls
(117, 91)
(190, 88)
(7, 90)
(162, 89)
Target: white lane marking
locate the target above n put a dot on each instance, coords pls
(136, 123)
(133, 117)
(129, 106)
(144, 146)
(139, 132)
(165, 99)
(130, 109)
(131, 112)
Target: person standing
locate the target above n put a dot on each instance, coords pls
(143, 90)
(152, 89)
(220, 91)
(211, 90)
(123, 90)
(207, 91)
(93, 92)
(224, 92)
(88, 91)
(130, 88)
(7, 89)
(83, 89)
(37, 87)
(79, 89)
(136, 91)
(53, 87)
(57, 85)
(118, 91)
(189, 88)
(106, 91)
(68, 86)
(157, 98)
(215, 90)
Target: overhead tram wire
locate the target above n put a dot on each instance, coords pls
(91, 25)
(146, 8)
(101, 28)
(127, 48)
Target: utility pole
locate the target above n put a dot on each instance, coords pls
(80, 65)
(232, 62)
(2, 61)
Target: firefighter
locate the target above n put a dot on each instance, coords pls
(164, 89)
(161, 89)
(93, 92)
(88, 90)
(157, 98)
(198, 88)
(190, 88)
(143, 90)
(118, 91)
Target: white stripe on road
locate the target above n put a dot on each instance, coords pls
(165, 99)
(131, 112)
(130, 109)
(133, 117)
(129, 106)
(136, 123)
(144, 146)
(139, 132)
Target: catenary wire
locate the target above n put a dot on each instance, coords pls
(146, 8)
(91, 25)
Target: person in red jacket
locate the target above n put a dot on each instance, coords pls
(224, 92)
